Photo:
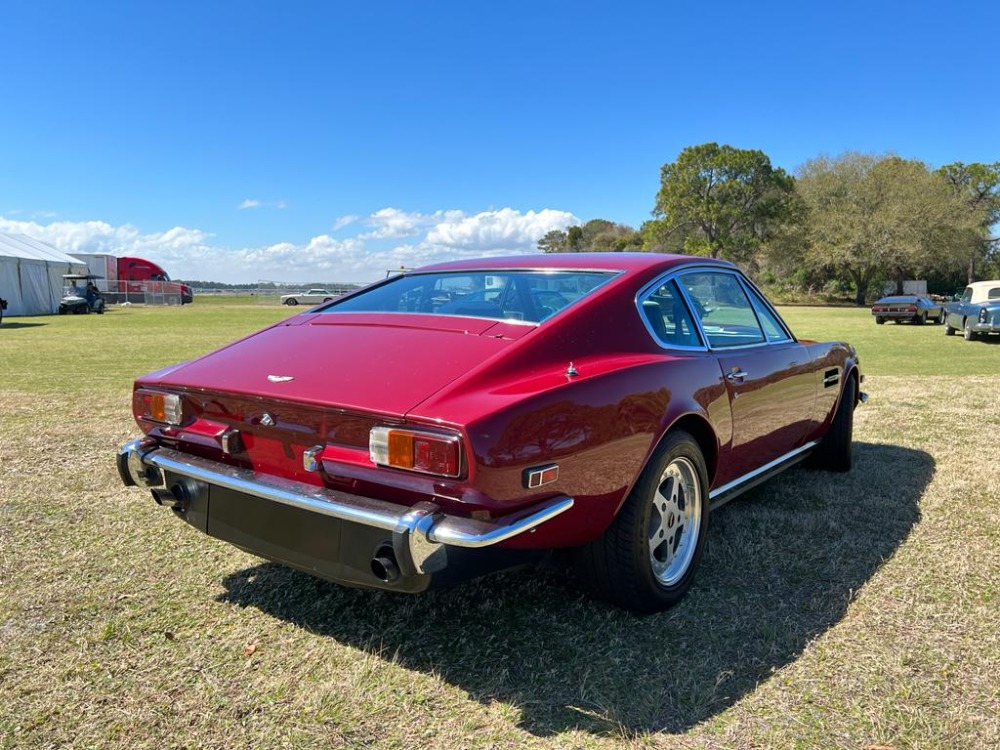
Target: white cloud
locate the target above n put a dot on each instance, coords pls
(254, 203)
(393, 223)
(342, 221)
(193, 253)
(505, 229)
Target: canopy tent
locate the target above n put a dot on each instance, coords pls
(31, 274)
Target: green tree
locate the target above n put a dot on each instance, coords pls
(719, 201)
(597, 235)
(979, 186)
(873, 217)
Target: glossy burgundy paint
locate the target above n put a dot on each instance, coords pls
(509, 390)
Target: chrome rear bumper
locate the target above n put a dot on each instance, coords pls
(420, 529)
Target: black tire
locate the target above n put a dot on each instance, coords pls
(921, 319)
(327, 299)
(967, 331)
(292, 302)
(834, 452)
(880, 321)
(948, 330)
(669, 502)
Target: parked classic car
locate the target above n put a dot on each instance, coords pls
(398, 438)
(312, 297)
(977, 312)
(911, 307)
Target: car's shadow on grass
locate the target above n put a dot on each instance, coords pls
(782, 565)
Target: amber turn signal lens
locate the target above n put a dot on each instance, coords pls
(416, 450)
(157, 406)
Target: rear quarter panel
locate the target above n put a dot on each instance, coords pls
(600, 427)
(828, 356)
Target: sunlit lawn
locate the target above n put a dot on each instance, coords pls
(843, 611)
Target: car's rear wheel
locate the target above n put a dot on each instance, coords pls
(834, 451)
(292, 302)
(646, 560)
(880, 321)
(967, 331)
(948, 330)
(921, 319)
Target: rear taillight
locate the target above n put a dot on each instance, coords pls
(416, 450)
(157, 406)
(911, 308)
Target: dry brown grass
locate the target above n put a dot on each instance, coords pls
(839, 611)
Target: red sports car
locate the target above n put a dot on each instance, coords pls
(464, 417)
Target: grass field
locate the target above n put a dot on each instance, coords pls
(831, 611)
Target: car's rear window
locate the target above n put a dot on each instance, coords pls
(531, 296)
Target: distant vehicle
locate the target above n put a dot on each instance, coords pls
(911, 307)
(977, 312)
(312, 297)
(79, 299)
(3, 306)
(130, 276)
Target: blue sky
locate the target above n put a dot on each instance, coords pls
(332, 140)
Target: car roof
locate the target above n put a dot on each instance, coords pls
(901, 297)
(633, 262)
(982, 284)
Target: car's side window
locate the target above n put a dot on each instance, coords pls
(726, 315)
(994, 293)
(773, 329)
(669, 318)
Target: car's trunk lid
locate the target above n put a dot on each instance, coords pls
(372, 363)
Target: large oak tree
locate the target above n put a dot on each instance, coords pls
(719, 201)
(880, 216)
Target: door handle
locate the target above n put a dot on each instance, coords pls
(736, 375)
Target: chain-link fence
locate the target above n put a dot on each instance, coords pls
(143, 293)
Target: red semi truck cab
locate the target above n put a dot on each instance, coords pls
(139, 269)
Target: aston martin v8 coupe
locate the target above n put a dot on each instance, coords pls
(467, 416)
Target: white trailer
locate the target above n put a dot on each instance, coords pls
(103, 265)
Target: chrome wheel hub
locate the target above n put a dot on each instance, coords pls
(674, 521)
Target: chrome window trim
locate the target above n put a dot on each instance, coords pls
(741, 278)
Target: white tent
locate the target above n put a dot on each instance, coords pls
(31, 274)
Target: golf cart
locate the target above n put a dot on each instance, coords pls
(77, 298)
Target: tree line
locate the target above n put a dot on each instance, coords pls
(845, 223)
